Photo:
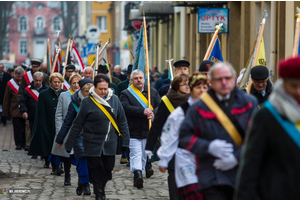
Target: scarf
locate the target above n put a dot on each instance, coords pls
(177, 98)
(56, 91)
(284, 103)
(99, 99)
(80, 95)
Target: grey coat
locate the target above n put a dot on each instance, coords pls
(60, 114)
(95, 126)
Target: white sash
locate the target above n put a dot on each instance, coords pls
(14, 86)
(35, 92)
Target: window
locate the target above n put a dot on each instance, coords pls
(23, 47)
(6, 47)
(22, 23)
(56, 24)
(39, 22)
(40, 6)
(102, 24)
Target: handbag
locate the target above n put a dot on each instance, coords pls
(119, 145)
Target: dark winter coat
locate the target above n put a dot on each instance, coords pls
(71, 114)
(160, 81)
(201, 126)
(122, 77)
(43, 132)
(163, 90)
(95, 126)
(269, 167)
(10, 103)
(28, 103)
(123, 85)
(6, 77)
(137, 121)
(258, 96)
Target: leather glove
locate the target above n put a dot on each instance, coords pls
(226, 163)
(220, 148)
(149, 153)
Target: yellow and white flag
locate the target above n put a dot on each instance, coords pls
(261, 59)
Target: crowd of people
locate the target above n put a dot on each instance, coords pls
(216, 141)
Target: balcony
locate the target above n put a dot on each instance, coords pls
(40, 32)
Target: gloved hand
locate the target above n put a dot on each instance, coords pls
(220, 148)
(226, 163)
(149, 153)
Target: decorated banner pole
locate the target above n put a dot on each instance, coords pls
(101, 51)
(262, 28)
(49, 54)
(296, 40)
(66, 59)
(213, 40)
(147, 66)
(170, 67)
(55, 60)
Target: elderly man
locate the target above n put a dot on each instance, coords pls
(270, 160)
(29, 100)
(28, 77)
(44, 68)
(135, 102)
(88, 72)
(261, 86)
(181, 67)
(4, 78)
(117, 73)
(214, 130)
(10, 103)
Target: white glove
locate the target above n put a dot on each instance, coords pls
(219, 148)
(226, 163)
(149, 153)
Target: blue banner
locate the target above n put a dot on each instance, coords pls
(216, 54)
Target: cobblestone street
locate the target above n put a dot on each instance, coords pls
(19, 171)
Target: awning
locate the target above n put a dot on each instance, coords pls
(156, 8)
(199, 3)
(134, 15)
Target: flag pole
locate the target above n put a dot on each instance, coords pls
(262, 28)
(213, 40)
(147, 66)
(66, 60)
(170, 67)
(296, 40)
(49, 55)
(101, 51)
(55, 60)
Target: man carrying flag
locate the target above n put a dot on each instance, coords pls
(28, 77)
(134, 100)
(10, 104)
(29, 100)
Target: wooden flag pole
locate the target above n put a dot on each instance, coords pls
(66, 61)
(213, 40)
(170, 67)
(296, 40)
(147, 66)
(262, 28)
(131, 56)
(49, 54)
(101, 51)
(55, 60)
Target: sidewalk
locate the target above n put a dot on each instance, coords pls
(19, 171)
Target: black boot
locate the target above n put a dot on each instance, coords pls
(138, 179)
(79, 189)
(59, 170)
(103, 189)
(53, 168)
(98, 191)
(148, 169)
(46, 164)
(86, 189)
(67, 166)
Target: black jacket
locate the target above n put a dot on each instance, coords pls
(6, 77)
(137, 121)
(269, 167)
(28, 103)
(163, 90)
(258, 96)
(71, 114)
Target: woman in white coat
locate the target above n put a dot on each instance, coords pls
(185, 162)
(59, 155)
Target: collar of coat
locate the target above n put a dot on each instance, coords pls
(268, 89)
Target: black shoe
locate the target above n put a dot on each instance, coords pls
(46, 164)
(33, 157)
(138, 179)
(18, 147)
(67, 166)
(52, 172)
(26, 148)
(86, 189)
(149, 173)
(98, 191)
(4, 123)
(58, 170)
(79, 188)
(67, 180)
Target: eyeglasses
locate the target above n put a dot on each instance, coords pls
(259, 82)
(227, 78)
(186, 85)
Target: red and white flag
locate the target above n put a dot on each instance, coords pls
(13, 85)
(66, 85)
(28, 77)
(75, 54)
(59, 60)
(33, 93)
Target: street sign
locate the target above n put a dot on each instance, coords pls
(93, 32)
(137, 24)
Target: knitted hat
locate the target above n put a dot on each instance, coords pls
(84, 81)
(259, 72)
(289, 68)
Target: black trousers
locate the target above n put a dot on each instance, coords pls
(100, 168)
(173, 191)
(218, 193)
(19, 131)
(31, 122)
